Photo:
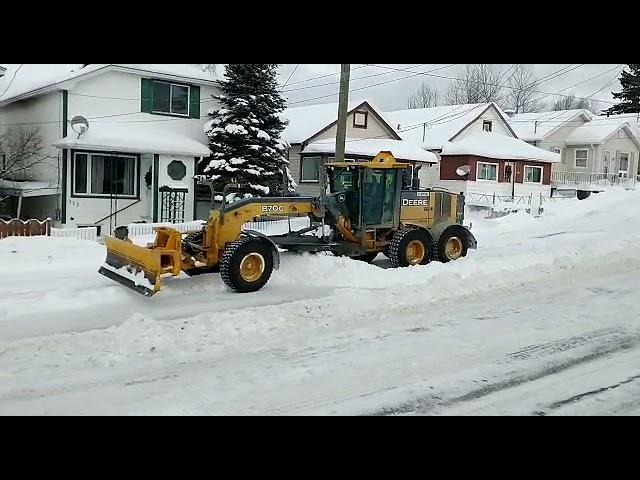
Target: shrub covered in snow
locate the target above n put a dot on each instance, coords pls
(244, 134)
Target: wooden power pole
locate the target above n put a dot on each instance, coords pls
(343, 107)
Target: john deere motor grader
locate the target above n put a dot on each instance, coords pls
(367, 207)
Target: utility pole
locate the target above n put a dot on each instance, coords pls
(343, 107)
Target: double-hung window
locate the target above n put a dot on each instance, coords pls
(623, 165)
(97, 174)
(487, 171)
(581, 158)
(310, 170)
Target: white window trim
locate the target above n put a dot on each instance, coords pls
(302, 169)
(366, 119)
(88, 193)
(575, 158)
(628, 154)
(172, 84)
(497, 165)
(524, 174)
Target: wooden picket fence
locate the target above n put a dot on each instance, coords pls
(28, 228)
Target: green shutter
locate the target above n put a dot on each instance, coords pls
(194, 102)
(147, 95)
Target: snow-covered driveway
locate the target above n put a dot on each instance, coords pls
(541, 319)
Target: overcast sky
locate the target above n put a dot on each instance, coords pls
(301, 90)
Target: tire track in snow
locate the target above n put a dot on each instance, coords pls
(434, 403)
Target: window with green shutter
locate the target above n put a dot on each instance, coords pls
(168, 98)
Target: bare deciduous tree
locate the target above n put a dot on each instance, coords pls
(478, 83)
(208, 67)
(521, 96)
(570, 102)
(424, 97)
(19, 153)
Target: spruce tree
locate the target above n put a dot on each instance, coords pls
(630, 93)
(244, 134)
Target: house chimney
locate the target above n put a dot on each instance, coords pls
(510, 112)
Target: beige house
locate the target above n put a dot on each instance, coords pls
(311, 134)
(596, 151)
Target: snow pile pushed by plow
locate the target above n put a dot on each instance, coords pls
(322, 321)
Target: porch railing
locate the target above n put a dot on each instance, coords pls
(598, 179)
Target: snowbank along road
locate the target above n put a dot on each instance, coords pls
(542, 319)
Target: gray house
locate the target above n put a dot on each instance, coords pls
(595, 150)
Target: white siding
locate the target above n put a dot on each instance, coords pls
(497, 124)
(374, 129)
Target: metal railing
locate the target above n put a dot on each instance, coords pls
(487, 199)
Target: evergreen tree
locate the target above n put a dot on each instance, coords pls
(244, 134)
(630, 93)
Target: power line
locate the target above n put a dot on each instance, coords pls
(353, 79)
(292, 73)
(324, 76)
(12, 79)
(484, 83)
(375, 84)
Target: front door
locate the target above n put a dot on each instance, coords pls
(510, 175)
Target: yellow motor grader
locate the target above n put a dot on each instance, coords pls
(367, 206)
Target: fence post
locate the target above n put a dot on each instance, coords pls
(494, 199)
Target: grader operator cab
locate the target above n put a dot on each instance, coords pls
(366, 209)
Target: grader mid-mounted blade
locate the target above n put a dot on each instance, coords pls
(140, 268)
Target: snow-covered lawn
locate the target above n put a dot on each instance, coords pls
(542, 318)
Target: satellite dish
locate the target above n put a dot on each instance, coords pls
(463, 170)
(79, 125)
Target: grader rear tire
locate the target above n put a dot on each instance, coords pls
(409, 247)
(246, 265)
(452, 246)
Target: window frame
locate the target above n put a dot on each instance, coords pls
(302, 159)
(90, 154)
(497, 165)
(524, 174)
(170, 112)
(366, 119)
(575, 158)
(487, 122)
(620, 170)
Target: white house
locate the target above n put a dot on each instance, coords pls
(433, 127)
(311, 134)
(595, 150)
(137, 160)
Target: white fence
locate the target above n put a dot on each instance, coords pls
(88, 233)
(142, 229)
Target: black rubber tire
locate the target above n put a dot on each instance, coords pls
(367, 257)
(398, 247)
(232, 257)
(444, 238)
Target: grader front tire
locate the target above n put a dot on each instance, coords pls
(246, 265)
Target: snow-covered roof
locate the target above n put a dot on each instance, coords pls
(601, 128)
(28, 188)
(305, 122)
(35, 79)
(134, 139)
(538, 125)
(400, 149)
(443, 123)
(492, 145)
